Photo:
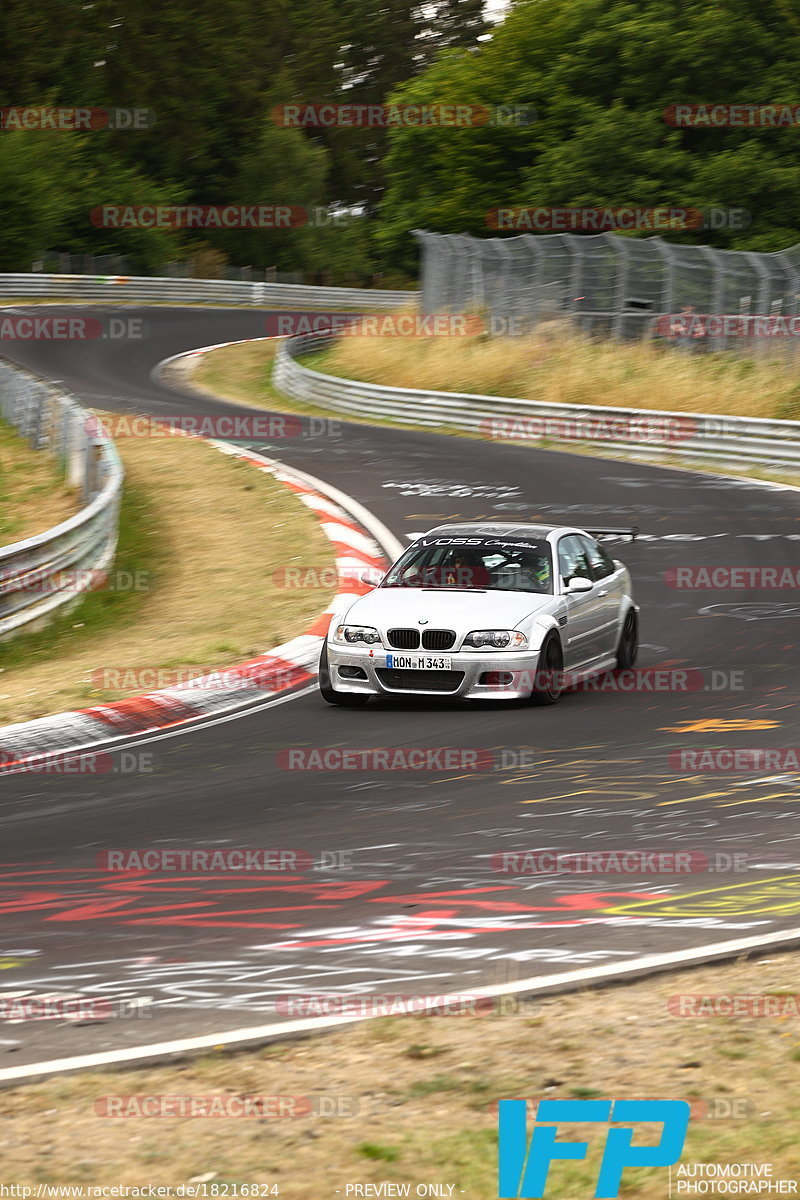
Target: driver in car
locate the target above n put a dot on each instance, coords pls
(467, 570)
(529, 574)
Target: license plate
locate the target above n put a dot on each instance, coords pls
(417, 662)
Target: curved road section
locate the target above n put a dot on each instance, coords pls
(434, 879)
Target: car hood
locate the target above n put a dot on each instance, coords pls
(461, 611)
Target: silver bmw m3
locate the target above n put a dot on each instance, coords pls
(486, 611)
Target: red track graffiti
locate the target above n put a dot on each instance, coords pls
(272, 902)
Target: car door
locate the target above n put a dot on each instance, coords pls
(608, 585)
(580, 634)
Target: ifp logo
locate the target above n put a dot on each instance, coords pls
(523, 1168)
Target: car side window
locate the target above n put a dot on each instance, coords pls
(600, 560)
(573, 558)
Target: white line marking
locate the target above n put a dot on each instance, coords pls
(541, 983)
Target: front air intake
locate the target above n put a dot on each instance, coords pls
(404, 639)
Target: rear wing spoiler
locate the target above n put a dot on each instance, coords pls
(622, 531)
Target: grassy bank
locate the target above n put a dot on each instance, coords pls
(201, 538)
(33, 492)
(563, 371)
(560, 367)
(244, 373)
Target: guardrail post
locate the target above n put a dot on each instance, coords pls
(37, 425)
(61, 437)
(94, 468)
(19, 405)
(77, 443)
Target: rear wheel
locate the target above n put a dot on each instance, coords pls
(628, 646)
(549, 682)
(329, 693)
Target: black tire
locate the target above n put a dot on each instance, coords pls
(329, 693)
(549, 683)
(628, 647)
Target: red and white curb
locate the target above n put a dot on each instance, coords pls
(361, 542)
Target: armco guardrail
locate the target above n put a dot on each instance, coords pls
(43, 573)
(740, 440)
(143, 290)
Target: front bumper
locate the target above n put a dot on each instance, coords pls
(516, 671)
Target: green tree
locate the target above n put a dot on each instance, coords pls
(601, 76)
(105, 180)
(281, 168)
(211, 74)
(38, 172)
(380, 46)
(52, 182)
(52, 48)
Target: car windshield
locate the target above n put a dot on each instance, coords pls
(474, 564)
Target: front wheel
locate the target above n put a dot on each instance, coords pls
(329, 693)
(549, 682)
(628, 646)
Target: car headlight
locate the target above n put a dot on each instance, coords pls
(352, 634)
(496, 639)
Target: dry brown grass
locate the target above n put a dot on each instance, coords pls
(243, 373)
(221, 528)
(561, 367)
(240, 373)
(33, 492)
(426, 1087)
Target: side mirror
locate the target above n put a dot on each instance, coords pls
(371, 575)
(578, 584)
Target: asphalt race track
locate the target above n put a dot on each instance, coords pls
(416, 904)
